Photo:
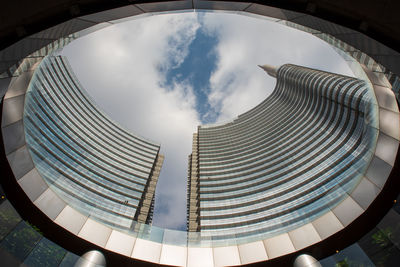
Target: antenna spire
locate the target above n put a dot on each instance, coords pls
(271, 70)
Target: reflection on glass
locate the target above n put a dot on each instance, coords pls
(352, 256)
(21, 240)
(45, 254)
(8, 218)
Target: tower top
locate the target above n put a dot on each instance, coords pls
(271, 70)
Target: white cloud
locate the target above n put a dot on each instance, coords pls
(245, 42)
(124, 66)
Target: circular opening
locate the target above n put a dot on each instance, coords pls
(161, 76)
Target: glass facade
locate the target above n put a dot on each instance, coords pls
(93, 164)
(23, 243)
(379, 247)
(290, 159)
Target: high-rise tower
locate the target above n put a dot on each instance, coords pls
(90, 162)
(285, 162)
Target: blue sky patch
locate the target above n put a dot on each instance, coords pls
(196, 69)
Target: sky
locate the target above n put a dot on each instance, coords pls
(161, 76)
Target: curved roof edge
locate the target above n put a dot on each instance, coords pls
(389, 137)
(352, 212)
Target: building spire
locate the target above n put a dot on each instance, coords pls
(271, 70)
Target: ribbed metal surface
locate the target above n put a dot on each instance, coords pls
(93, 258)
(288, 160)
(305, 260)
(89, 161)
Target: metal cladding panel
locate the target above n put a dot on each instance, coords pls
(33, 184)
(95, 232)
(19, 85)
(390, 60)
(166, 6)
(347, 211)
(386, 148)
(113, 14)
(367, 45)
(74, 25)
(13, 110)
(147, 250)
(14, 134)
(378, 172)
(386, 98)
(379, 78)
(226, 256)
(322, 25)
(201, 257)
(173, 255)
(50, 204)
(252, 252)
(220, 5)
(54, 32)
(389, 123)
(365, 193)
(327, 225)
(20, 162)
(269, 11)
(278, 245)
(4, 83)
(20, 50)
(71, 220)
(92, 29)
(304, 236)
(121, 243)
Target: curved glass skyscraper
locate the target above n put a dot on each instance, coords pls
(93, 164)
(287, 161)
